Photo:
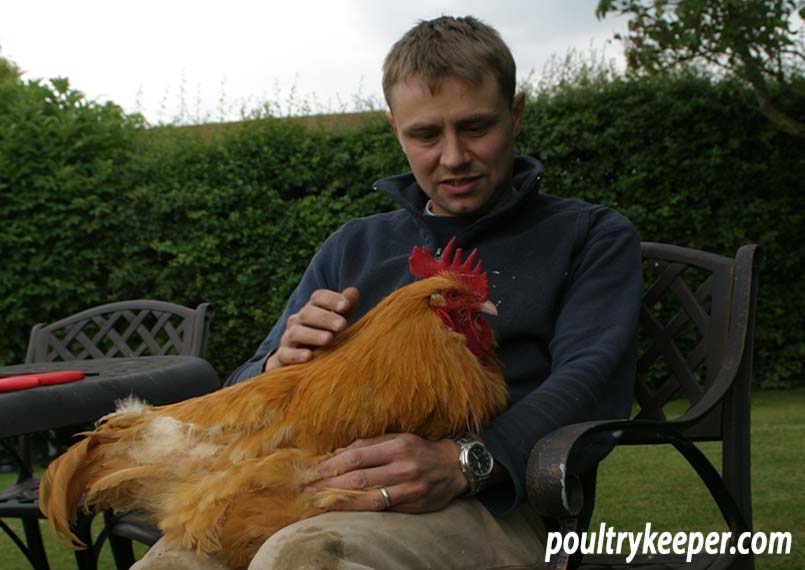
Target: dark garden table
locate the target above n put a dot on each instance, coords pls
(155, 379)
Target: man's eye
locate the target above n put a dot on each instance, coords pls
(425, 136)
(477, 130)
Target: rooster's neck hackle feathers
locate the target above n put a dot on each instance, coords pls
(399, 368)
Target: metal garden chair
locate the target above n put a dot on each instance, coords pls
(697, 323)
(122, 329)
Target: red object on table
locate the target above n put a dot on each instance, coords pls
(25, 381)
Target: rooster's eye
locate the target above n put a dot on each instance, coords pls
(452, 295)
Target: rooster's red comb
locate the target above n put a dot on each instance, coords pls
(423, 265)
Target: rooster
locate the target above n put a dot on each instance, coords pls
(222, 472)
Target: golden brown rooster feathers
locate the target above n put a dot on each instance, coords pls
(222, 472)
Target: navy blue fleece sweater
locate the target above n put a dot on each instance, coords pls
(565, 276)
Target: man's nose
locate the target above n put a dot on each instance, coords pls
(454, 153)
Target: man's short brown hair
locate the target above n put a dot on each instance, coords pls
(464, 48)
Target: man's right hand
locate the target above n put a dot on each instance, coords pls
(315, 325)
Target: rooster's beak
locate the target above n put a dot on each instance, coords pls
(489, 308)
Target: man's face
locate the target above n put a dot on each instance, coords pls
(459, 141)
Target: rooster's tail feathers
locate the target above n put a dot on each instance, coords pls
(61, 488)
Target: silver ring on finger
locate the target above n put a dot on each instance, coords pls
(386, 496)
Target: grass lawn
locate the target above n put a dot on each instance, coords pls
(655, 484)
(60, 558)
(639, 485)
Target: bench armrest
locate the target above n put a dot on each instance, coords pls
(556, 466)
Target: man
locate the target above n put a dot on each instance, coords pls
(564, 274)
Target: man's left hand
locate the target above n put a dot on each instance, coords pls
(420, 475)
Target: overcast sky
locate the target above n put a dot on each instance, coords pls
(205, 60)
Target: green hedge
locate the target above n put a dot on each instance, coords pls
(62, 160)
(690, 162)
(235, 219)
(97, 208)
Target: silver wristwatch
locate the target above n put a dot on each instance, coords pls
(476, 463)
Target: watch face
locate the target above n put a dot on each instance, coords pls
(480, 460)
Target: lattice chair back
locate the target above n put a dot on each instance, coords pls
(691, 338)
(123, 329)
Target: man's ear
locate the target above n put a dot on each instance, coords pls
(393, 124)
(518, 105)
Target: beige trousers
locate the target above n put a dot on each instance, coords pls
(463, 536)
